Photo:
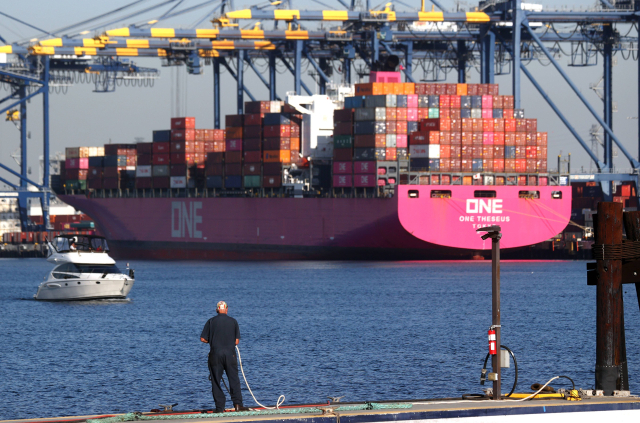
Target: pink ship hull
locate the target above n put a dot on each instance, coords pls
(322, 228)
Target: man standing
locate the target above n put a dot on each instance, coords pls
(223, 334)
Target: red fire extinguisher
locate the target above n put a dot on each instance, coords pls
(492, 342)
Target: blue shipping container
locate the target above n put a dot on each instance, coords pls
(162, 136)
(465, 113)
(497, 114)
(465, 102)
(401, 100)
(434, 164)
(354, 102)
(234, 181)
(419, 164)
(476, 102)
(214, 181)
(510, 152)
(96, 161)
(110, 161)
(276, 119)
(122, 160)
(412, 127)
(434, 101)
(476, 165)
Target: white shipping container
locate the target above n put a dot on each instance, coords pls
(275, 106)
(72, 152)
(143, 172)
(178, 182)
(100, 151)
(419, 151)
(434, 151)
(391, 141)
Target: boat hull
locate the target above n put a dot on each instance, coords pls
(80, 290)
(301, 228)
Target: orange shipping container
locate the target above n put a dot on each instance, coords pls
(233, 133)
(277, 156)
(461, 89)
(409, 88)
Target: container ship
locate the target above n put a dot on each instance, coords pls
(380, 170)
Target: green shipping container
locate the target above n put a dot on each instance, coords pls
(76, 184)
(252, 181)
(342, 141)
(434, 113)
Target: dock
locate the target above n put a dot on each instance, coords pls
(622, 409)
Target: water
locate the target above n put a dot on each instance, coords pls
(368, 331)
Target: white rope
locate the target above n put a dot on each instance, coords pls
(539, 390)
(281, 398)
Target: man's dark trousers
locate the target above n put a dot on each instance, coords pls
(227, 363)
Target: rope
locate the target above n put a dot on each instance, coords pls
(281, 398)
(629, 250)
(129, 417)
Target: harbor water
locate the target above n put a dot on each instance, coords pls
(362, 330)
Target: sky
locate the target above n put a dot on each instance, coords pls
(82, 117)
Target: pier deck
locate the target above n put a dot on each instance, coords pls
(598, 408)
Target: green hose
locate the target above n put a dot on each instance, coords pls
(129, 417)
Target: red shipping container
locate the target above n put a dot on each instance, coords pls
(144, 148)
(521, 139)
(209, 146)
(390, 114)
(498, 165)
(454, 101)
(217, 157)
(271, 181)
(445, 165)
(456, 124)
(541, 139)
(233, 145)
(477, 138)
(233, 169)
(510, 138)
(401, 113)
(80, 174)
(487, 165)
(183, 123)
(344, 167)
(456, 138)
(445, 102)
(342, 181)
(466, 152)
(144, 183)
(97, 183)
(498, 152)
(177, 158)
(541, 165)
(363, 181)
(521, 152)
(531, 152)
(112, 171)
(391, 154)
(342, 154)
(364, 167)
(455, 165)
(252, 168)
(532, 165)
(233, 157)
(277, 144)
(199, 134)
(456, 151)
(252, 119)
(477, 124)
(110, 183)
(183, 135)
(344, 128)
(532, 125)
(219, 134)
(477, 151)
(510, 165)
(466, 165)
(445, 138)
(233, 121)
(466, 124)
(521, 165)
(509, 125)
(252, 132)
(423, 114)
(507, 113)
(466, 138)
(541, 153)
(177, 170)
(252, 144)
(272, 131)
(419, 138)
(445, 152)
(487, 152)
(234, 132)
(435, 125)
(161, 159)
(498, 102)
(214, 169)
(531, 139)
(498, 125)
(521, 125)
(162, 182)
(94, 173)
(295, 131)
(344, 115)
(369, 140)
(182, 146)
(498, 138)
(401, 127)
(253, 156)
(487, 138)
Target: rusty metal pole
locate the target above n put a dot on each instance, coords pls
(493, 232)
(610, 315)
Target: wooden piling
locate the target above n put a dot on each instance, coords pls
(632, 228)
(610, 361)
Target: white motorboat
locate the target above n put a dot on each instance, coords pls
(84, 271)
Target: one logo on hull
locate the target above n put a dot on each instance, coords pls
(475, 205)
(186, 219)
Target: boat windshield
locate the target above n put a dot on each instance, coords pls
(69, 270)
(80, 243)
